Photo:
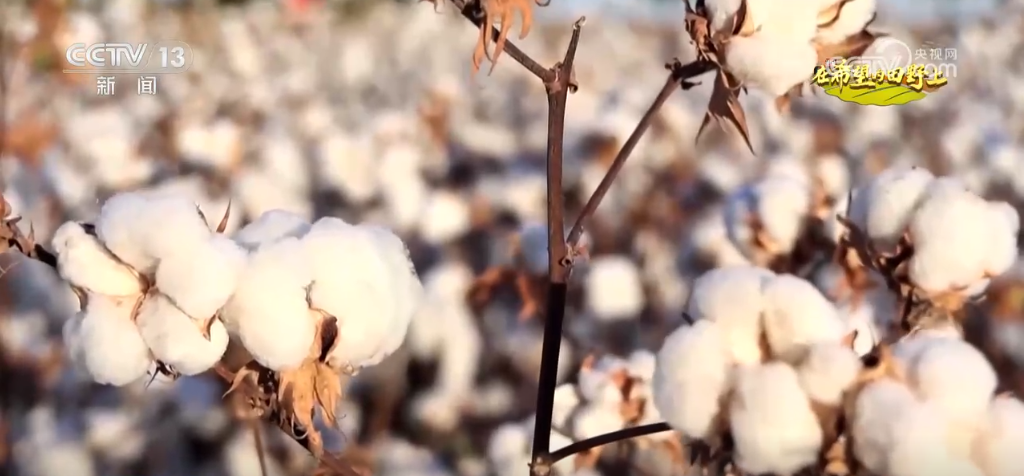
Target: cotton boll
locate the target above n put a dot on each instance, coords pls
(949, 219)
(722, 12)
(772, 423)
(877, 406)
(773, 63)
(566, 400)
(893, 196)
(828, 371)
(508, 442)
(919, 448)
(614, 290)
(854, 16)
(834, 174)
(176, 340)
(955, 377)
(1002, 248)
(445, 217)
(732, 297)
(598, 379)
(201, 281)
(354, 281)
(268, 310)
(270, 226)
(796, 316)
(83, 262)
(641, 364)
(691, 376)
(111, 347)
(141, 228)
(1000, 445)
(596, 419)
(437, 408)
(782, 206)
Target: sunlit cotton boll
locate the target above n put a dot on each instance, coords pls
(770, 62)
(796, 316)
(176, 339)
(270, 226)
(1002, 439)
(104, 341)
(779, 205)
(371, 294)
(598, 380)
(445, 217)
(691, 375)
(200, 280)
(884, 208)
(732, 298)
(141, 228)
(828, 371)
(83, 262)
(771, 420)
(877, 406)
(614, 290)
(955, 377)
(268, 310)
(920, 447)
(950, 218)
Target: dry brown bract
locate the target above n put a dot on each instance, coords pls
(504, 13)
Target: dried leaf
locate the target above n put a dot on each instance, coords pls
(852, 46)
(504, 13)
(223, 225)
(725, 105)
(783, 103)
(296, 395)
(743, 23)
(328, 390)
(829, 16)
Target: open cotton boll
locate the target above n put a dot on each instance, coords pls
(853, 17)
(176, 339)
(691, 376)
(1005, 226)
(437, 408)
(641, 364)
(599, 378)
(833, 173)
(271, 225)
(111, 347)
(595, 419)
(892, 198)
(1000, 445)
(955, 377)
(787, 166)
(268, 310)
(445, 217)
(796, 316)
(202, 280)
(828, 371)
(920, 449)
(732, 297)
(566, 400)
(614, 290)
(355, 281)
(141, 228)
(773, 426)
(770, 62)
(949, 219)
(782, 206)
(83, 262)
(797, 20)
(722, 12)
(877, 406)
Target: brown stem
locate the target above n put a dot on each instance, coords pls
(607, 438)
(678, 78)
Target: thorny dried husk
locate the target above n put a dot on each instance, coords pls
(724, 106)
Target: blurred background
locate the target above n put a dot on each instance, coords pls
(367, 110)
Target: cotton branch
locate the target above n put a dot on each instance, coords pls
(558, 87)
(679, 76)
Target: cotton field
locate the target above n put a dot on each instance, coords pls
(324, 249)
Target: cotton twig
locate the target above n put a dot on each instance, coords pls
(606, 439)
(679, 76)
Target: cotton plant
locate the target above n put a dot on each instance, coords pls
(765, 362)
(903, 225)
(935, 411)
(755, 45)
(309, 303)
